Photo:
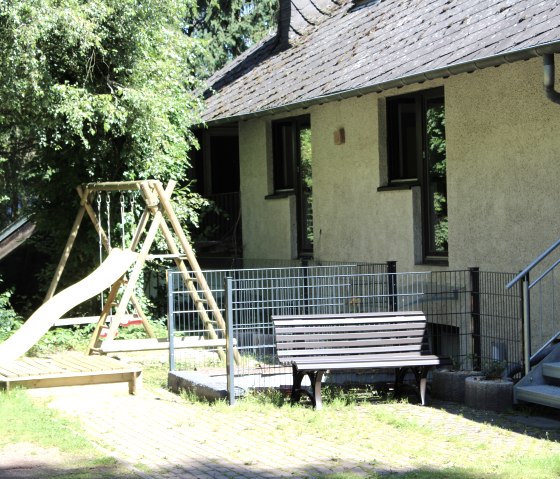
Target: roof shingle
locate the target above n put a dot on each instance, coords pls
(340, 47)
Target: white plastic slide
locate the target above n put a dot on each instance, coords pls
(114, 266)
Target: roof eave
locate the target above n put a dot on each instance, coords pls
(455, 69)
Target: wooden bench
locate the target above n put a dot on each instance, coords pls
(68, 370)
(314, 344)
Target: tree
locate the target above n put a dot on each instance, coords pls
(229, 27)
(92, 90)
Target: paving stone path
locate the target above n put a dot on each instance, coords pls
(155, 435)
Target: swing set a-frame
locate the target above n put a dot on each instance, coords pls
(158, 216)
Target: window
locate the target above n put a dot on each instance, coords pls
(292, 172)
(417, 156)
(286, 146)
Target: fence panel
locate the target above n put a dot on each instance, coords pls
(471, 316)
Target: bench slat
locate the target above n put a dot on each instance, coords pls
(284, 338)
(342, 345)
(341, 352)
(346, 320)
(410, 362)
(374, 316)
(337, 327)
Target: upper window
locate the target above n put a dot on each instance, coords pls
(286, 144)
(417, 155)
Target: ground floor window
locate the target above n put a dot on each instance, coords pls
(417, 156)
(292, 172)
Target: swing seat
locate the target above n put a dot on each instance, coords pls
(104, 331)
(131, 320)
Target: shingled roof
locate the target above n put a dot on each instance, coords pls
(347, 47)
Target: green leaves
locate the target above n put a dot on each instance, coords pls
(229, 27)
(92, 90)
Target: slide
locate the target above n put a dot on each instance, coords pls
(116, 264)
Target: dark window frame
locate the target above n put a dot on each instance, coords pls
(285, 147)
(407, 158)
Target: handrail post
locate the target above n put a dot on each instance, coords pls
(526, 310)
(392, 276)
(171, 318)
(475, 317)
(228, 287)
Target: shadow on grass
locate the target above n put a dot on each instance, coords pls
(538, 422)
(48, 472)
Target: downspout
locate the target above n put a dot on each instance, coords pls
(551, 93)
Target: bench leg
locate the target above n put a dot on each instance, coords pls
(420, 376)
(316, 385)
(422, 383)
(296, 385)
(315, 377)
(400, 373)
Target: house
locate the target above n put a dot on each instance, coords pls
(422, 128)
(425, 132)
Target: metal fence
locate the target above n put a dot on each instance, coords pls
(471, 316)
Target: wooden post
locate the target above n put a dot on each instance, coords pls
(66, 253)
(94, 341)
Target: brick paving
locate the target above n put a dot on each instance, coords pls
(156, 435)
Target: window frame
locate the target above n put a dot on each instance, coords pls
(285, 163)
(398, 173)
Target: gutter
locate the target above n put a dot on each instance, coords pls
(545, 49)
(549, 81)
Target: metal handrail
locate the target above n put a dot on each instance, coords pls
(533, 263)
(526, 286)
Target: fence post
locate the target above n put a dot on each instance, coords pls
(526, 312)
(475, 317)
(228, 288)
(171, 319)
(391, 270)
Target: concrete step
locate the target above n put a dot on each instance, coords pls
(551, 370)
(546, 395)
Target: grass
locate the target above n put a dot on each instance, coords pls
(397, 433)
(44, 428)
(421, 443)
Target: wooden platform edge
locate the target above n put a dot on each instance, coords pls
(73, 373)
(133, 378)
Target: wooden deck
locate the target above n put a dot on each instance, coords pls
(68, 370)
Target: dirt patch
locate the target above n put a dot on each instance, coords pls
(25, 460)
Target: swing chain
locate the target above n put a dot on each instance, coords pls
(123, 219)
(108, 203)
(99, 212)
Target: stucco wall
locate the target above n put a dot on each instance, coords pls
(267, 224)
(503, 150)
(503, 143)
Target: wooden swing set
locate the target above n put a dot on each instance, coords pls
(159, 210)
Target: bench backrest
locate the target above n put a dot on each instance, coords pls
(358, 335)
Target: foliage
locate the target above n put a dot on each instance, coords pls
(229, 27)
(92, 91)
(494, 369)
(435, 128)
(9, 320)
(76, 338)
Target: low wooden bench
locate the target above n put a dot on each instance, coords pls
(314, 344)
(68, 370)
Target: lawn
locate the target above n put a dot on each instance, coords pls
(350, 438)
